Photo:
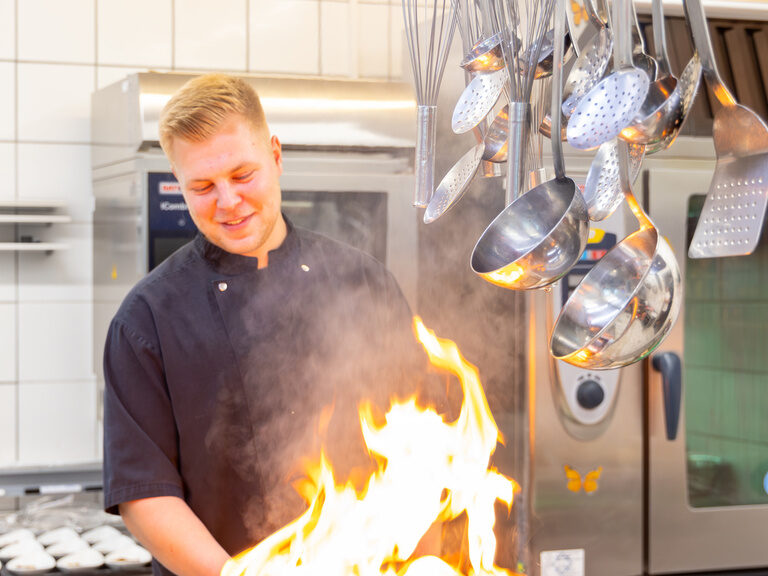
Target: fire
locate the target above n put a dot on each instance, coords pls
(430, 471)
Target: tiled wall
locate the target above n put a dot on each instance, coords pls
(53, 55)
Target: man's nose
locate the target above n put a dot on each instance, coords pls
(227, 196)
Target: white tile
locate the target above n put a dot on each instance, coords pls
(57, 31)
(7, 424)
(57, 422)
(7, 101)
(117, 27)
(210, 35)
(64, 275)
(284, 36)
(398, 51)
(55, 341)
(373, 41)
(7, 342)
(71, 163)
(336, 51)
(55, 102)
(7, 171)
(7, 29)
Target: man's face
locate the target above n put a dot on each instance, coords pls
(231, 183)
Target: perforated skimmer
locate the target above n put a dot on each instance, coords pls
(613, 103)
(454, 184)
(734, 210)
(477, 99)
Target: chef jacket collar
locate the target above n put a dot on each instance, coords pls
(224, 262)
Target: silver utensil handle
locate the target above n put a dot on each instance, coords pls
(697, 20)
(660, 38)
(519, 113)
(622, 45)
(426, 122)
(557, 89)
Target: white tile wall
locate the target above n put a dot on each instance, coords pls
(61, 275)
(71, 166)
(373, 27)
(118, 41)
(53, 54)
(7, 170)
(7, 343)
(57, 31)
(55, 102)
(55, 341)
(284, 36)
(7, 29)
(7, 100)
(7, 424)
(336, 51)
(57, 422)
(211, 35)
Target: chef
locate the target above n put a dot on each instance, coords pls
(243, 353)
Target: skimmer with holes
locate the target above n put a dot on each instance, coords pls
(454, 184)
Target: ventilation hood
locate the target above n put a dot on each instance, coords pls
(315, 113)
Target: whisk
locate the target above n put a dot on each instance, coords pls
(523, 25)
(428, 50)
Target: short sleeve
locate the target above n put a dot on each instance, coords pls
(140, 437)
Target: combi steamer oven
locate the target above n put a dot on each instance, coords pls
(347, 172)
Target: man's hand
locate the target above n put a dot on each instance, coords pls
(175, 536)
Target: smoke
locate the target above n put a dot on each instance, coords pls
(310, 350)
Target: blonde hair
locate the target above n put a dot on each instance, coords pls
(204, 103)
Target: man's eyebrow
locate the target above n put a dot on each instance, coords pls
(235, 169)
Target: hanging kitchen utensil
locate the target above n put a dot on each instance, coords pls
(591, 64)
(627, 303)
(640, 57)
(543, 64)
(485, 56)
(428, 58)
(541, 234)
(612, 104)
(602, 189)
(734, 211)
(477, 100)
(665, 108)
(454, 184)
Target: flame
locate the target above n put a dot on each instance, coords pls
(506, 276)
(430, 471)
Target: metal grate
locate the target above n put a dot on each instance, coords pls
(741, 50)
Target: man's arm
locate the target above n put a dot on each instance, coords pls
(175, 536)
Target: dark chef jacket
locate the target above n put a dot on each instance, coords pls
(220, 378)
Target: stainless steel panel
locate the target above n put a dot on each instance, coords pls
(683, 538)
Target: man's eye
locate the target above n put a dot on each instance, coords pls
(201, 189)
(244, 177)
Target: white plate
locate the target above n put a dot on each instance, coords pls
(55, 536)
(31, 564)
(113, 544)
(132, 557)
(80, 561)
(100, 533)
(67, 547)
(16, 536)
(20, 548)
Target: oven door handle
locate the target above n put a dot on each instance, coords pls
(668, 363)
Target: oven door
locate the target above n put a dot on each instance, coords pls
(708, 479)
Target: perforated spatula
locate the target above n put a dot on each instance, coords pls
(734, 210)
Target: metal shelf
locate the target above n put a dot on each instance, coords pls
(32, 246)
(19, 481)
(36, 203)
(34, 219)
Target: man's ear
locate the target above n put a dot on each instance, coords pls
(277, 151)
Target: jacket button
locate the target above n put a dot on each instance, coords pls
(222, 286)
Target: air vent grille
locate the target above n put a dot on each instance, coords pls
(741, 51)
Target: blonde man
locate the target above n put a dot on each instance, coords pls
(220, 363)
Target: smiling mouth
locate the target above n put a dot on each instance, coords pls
(236, 222)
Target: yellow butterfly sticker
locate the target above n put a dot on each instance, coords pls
(576, 483)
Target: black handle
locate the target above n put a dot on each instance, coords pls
(668, 363)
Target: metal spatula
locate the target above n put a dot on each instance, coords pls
(733, 214)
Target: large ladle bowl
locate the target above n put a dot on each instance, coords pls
(627, 303)
(485, 56)
(539, 236)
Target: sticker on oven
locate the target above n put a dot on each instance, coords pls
(562, 562)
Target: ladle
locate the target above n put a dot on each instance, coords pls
(665, 108)
(627, 303)
(539, 236)
(485, 56)
(734, 211)
(612, 104)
